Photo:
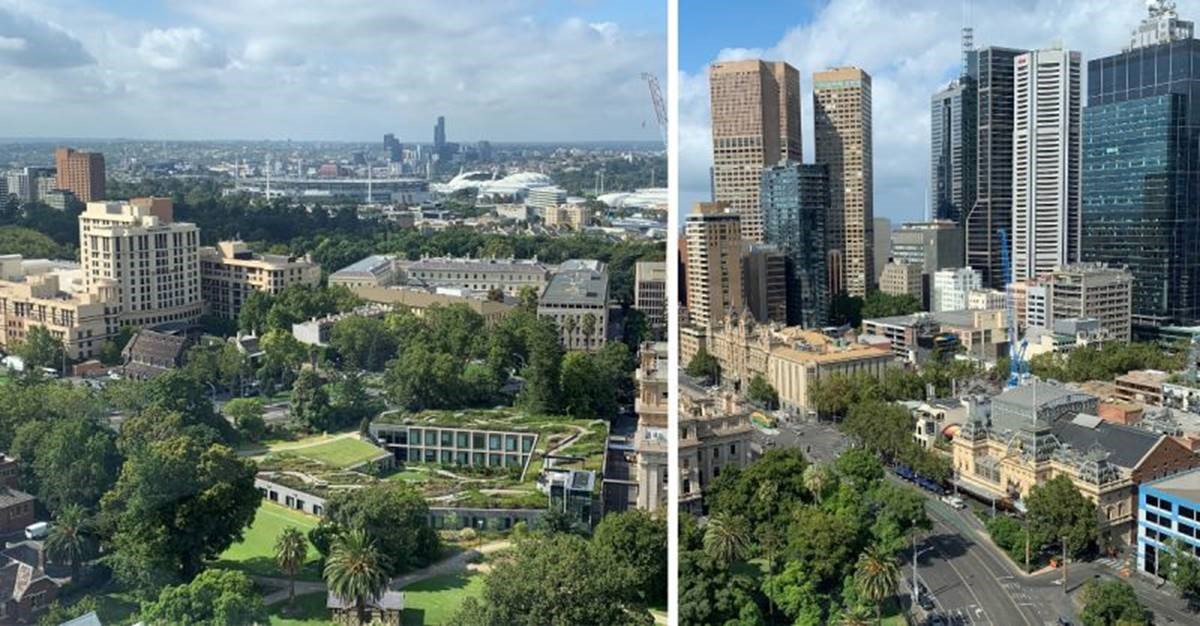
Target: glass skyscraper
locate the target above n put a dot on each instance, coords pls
(953, 132)
(1141, 168)
(795, 199)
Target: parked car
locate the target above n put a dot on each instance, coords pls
(37, 530)
(926, 602)
(954, 501)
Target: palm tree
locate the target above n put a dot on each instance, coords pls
(857, 616)
(877, 574)
(816, 478)
(71, 538)
(291, 551)
(354, 569)
(726, 538)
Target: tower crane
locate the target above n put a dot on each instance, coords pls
(660, 107)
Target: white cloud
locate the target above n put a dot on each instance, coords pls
(911, 49)
(28, 42)
(180, 49)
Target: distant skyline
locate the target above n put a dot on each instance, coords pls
(510, 71)
(911, 48)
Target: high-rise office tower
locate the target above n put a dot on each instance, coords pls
(765, 281)
(842, 112)
(755, 123)
(795, 203)
(393, 148)
(439, 135)
(953, 133)
(81, 173)
(1141, 167)
(992, 210)
(153, 259)
(714, 263)
(1046, 135)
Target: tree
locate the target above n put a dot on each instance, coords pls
(542, 371)
(557, 579)
(252, 317)
(247, 415)
(876, 575)
(880, 304)
(72, 538)
(726, 538)
(1112, 603)
(40, 349)
(710, 593)
(1182, 568)
(178, 503)
(68, 461)
(1056, 509)
(217, 597)
(422, 379)
(639, 538)
(350, 401)
(816, 479)
(740, 491)
(763, 393)
(395, 516)
(587, 388)
(362, 343)
(704, 367)
(291, 551)
(354, 570)
(310, 401)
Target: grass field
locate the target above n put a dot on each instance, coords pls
(340, 453)
(309, 611)
(255, 554)
(434, 601)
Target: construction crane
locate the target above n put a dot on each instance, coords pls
(1018, 368)
(660, 107)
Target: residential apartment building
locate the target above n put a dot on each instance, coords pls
(795, 202)
(40, 293)
(545, 197)
(230, 272)
(842, 108)
(1046, 228)
(576, 298)
(715, 434)
(714, 263)
(650, 295)
(755, 112)
(153, 260)
(81, 173)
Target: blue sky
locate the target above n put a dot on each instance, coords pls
(911, 49)
(504, 70)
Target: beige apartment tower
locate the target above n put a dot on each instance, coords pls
(81, 173)
(153, 260)
(842, 124)
(755, 123)
(714, 262)
(230, 273)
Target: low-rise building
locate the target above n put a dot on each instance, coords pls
(420, 299)
(509, 276)
(26, 589)
(571, 216)
(49, 294)
(454, 445)
(377, 270)
(715, 434)
(980, 335)
(1144, 386)
(230, 272)
(576, 298)
(316, 331)
(151, 353)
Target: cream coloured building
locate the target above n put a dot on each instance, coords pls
(153, 260)
(650, 439)
(230, 272)
(790, 358)
(572, 216)
(902, 279)
(714, 434)
(842, 124)
(37, 293)
(650, 294)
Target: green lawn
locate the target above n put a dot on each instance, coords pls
(309, 611)
(434, 601)
(340, 452)
(255, 554)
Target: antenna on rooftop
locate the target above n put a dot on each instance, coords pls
(968, 39)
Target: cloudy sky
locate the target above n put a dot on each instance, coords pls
(910, 48)
(504, 70)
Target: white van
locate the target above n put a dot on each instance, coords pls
(37, 530)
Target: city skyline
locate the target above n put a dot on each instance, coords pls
(188, 71)
(907, 67)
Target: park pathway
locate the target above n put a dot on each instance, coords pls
(454, 564)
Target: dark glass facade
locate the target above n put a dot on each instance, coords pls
(953, 133)
(992, 210)
(1141, 169)
(795, 199)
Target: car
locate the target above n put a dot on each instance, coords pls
(925, 601)
(954, 501)
(1062, 621)
(37, 530)
(937, 620)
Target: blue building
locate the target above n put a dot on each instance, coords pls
(795, 199)
(1141, 167)
(1168, 511)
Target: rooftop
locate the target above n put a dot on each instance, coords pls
(577, 282)
(367, 267)
(1185, 485)
(1124, 445)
